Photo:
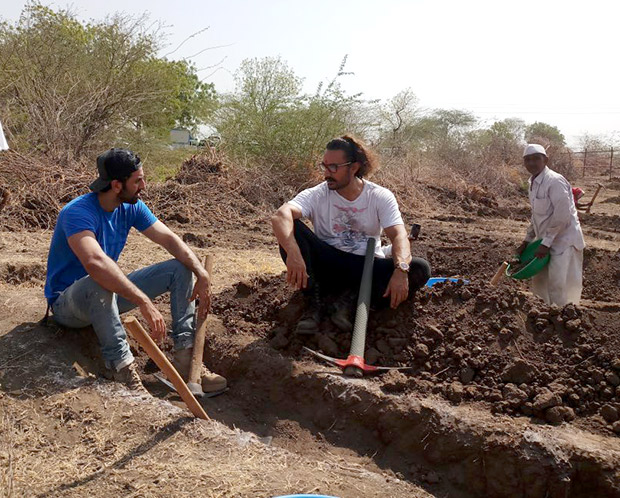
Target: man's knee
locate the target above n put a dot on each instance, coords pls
(419, 273)
(180, 271)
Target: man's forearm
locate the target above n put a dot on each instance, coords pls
(284, 230)
(401, 249)
(107, 273)
(179, 249)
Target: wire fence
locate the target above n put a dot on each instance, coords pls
(594, 163)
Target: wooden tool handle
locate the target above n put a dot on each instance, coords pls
(144, 339)
(199, 338)
(498, 275)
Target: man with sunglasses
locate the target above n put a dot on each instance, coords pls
(85, 285)
(345, 210)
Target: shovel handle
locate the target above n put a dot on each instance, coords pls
(144, 339)
(498, 275)
(195, 367)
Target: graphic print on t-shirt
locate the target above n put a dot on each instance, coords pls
(347, 227)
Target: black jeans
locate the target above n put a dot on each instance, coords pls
(337, 271)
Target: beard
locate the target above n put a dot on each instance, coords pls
(126, 198)
(332, 184)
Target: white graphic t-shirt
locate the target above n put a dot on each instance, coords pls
(344, 224)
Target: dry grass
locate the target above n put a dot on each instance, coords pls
(99, 441)
(209, 188)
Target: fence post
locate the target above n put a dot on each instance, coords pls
(611, 162)
(585, 157)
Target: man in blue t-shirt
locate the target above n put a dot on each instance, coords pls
(85, 285)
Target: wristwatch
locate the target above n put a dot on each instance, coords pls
(402, 266)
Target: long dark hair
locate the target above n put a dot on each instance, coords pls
(357, 152)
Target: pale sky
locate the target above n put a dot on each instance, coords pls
(544, 60)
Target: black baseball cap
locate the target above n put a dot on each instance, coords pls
(115, 164)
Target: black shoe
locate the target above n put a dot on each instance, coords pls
(342, 312)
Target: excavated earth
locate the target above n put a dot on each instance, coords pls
(504, 395)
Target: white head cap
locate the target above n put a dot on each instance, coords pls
(534, 149)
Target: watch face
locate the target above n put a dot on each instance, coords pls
(403, 266)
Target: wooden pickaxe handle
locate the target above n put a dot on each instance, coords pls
(199, 338)
(147, 343)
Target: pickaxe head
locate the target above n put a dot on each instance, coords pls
(353, 366)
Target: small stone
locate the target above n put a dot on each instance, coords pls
(526, 408)
(513, 395)
(394, 381)
(505, 334)
(279, 341)
(372, 355)
(434, 332)
(616, 427)
(558, 414)
(455, 392)
(598, 376)
(519, 372)
(327, 345)
(432, 477)
(572, 325)
(467, 374)
(546, 399)
(609, 413)
(383, 346)
(612, 378)
(466, 295)
(615, 364)
(421, 351)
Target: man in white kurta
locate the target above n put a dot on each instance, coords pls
(555, 221)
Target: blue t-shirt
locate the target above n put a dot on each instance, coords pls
(110, 229)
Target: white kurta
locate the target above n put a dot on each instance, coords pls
(554, 219)
(3, 144)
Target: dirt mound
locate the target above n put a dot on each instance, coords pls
(609, 223)
(16, 274)
(467, 343)
(601, 280)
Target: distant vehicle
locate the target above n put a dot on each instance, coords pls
(182, 136)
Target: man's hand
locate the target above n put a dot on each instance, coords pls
(398, 288)
(542, 251)
(521, 248)
(296, 275)
(202, 291)
(157, 325)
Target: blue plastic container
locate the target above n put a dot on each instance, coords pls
(436, 280)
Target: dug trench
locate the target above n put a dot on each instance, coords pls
(506, 397)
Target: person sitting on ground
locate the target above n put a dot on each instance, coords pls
(85, 286)
(345, 210)
(555, 221)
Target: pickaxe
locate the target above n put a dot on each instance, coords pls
(354, 365)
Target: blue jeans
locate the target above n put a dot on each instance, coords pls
(85, 303)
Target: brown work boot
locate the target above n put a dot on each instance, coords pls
(211, 382)
(129, 376)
